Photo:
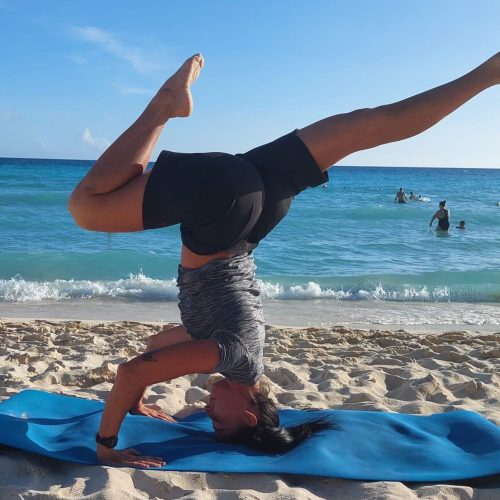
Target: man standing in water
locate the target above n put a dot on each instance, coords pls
(401, 196)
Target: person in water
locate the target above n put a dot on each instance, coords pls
(412, 196)
(401, 196)
(461, 225)
(443, 217)
(225, 205)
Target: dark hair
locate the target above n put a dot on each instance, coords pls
(442, 203)
(268, 435)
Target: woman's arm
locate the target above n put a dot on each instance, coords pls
(197, 356)
(170, 336)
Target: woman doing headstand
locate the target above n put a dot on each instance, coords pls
(225, 204)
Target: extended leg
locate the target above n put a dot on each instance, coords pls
(109, 198)
(333, 138)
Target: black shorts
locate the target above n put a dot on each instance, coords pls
(224, 201)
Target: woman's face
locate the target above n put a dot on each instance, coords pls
(229, 407)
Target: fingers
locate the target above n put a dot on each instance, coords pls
(164, 416)
(145, 462)
(132, 458)
(159, 414)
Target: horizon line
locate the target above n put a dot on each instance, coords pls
(348, 166)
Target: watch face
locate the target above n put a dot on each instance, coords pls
(109, 442)
(112, 441)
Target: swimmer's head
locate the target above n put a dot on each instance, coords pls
(442, 204)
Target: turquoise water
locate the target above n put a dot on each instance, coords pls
(347, 242)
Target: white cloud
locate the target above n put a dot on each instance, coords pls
(96, 142)
(110, 43)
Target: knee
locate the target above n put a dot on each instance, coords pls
(79, 206)
(76, 204)
(361, 113)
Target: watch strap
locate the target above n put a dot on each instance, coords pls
(108, 442)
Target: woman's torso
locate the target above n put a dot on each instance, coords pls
(443, 218)
(221, 300)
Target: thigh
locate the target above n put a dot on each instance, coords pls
(117, 211)
(287, 168)
(279, 194)
(173, 189)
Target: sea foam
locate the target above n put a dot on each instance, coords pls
(140, 287)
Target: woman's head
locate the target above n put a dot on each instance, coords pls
(247, 415)
(442, 204)
(231, 406)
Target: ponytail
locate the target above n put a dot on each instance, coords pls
(269, 436)
(281, 439)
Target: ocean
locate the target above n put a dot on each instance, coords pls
(345, 253)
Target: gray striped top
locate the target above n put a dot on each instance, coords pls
(221, 301)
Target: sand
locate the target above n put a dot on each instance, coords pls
(307, 367)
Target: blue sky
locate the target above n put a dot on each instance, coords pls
(75, 74)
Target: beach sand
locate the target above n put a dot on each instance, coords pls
(376, 370)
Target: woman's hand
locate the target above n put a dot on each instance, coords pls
(126, 458)
(151, 411)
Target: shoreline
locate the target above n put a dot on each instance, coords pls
(365, 327)
(483, 317)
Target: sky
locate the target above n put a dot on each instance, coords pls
(74, 75)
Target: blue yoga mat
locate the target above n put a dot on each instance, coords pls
(365, 445)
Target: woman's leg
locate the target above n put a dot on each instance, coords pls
(333, 138)
(109, 198)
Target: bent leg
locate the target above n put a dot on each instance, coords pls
(336, 137)
(109, 197)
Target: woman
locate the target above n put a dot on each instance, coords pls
(443, 217)
(225, 205)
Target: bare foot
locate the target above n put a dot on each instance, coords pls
(175, 94)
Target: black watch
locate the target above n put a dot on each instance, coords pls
(109, 442)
